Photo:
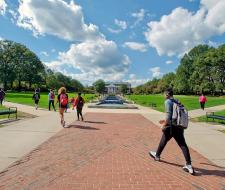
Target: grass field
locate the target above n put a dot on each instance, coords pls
(216, 121)
(190, 102)
(26, 98)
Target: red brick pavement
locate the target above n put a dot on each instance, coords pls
(109, 151)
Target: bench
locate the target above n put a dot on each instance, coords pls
(213, 116)
(152, 105)
(9, 111)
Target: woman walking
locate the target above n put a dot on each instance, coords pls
(202, 101)
(63, 101)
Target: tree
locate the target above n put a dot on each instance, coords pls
(186, 68)
(7, 72)
(99, 86)
(18, 62)
(123, 88)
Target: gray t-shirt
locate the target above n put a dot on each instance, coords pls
(169, 110)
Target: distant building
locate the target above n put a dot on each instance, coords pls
(114, 87)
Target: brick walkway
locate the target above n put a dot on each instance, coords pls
(109, 151)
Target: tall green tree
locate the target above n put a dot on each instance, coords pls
(99, 86)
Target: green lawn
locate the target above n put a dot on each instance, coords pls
(216, 121)
(190, 102)
(26, 98)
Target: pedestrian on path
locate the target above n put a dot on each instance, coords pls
(36, 97)
(51, 100)
(202, 101)
(62, 99)
(2, 95)
(79, 103)
(170, 131)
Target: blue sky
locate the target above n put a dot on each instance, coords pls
(116, 40)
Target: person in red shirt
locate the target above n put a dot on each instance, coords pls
(62, 99)
(79, 103)
(202, 101)
(72, 101)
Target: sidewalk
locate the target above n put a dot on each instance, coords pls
(21, 137)
(109, 151)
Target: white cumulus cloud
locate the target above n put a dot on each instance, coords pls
(135, 81)
(155, 72)
(181, 30)
(56, 17)
(3, 7)
(93, 59)
(136, 46)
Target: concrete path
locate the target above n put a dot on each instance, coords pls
(20, 137)
(200, 112)
(109, 151)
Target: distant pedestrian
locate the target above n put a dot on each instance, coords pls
(174, 131)
(202, 101)
(72, 101)
(79, 103)
(62, 99)
(2, 95)
(51, 100)
(36, 97)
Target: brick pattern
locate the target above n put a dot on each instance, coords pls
(109, 151)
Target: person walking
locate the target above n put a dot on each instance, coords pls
(51, 99)
(62, 99)
(170, 131)
(36, 97)
(202, 101)
(2, 95)
(79, 103)
(72, 101)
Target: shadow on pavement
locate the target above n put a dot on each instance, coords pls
(200, 171)
(97, 122)
(5, 121)
(82, 127)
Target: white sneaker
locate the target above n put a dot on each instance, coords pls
(189, 169)
(153, 155)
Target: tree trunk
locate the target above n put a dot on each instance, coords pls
(30, 83)
(19, 85)
(5, 85)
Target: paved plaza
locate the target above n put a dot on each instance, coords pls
(109, 151)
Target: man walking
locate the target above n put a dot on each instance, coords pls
(170, 131)
(79, 103)
(2, 95)
(51, 99)
(36, 97)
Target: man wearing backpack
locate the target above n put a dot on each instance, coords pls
(51, 99)
(36, 97)
(79, 103)
(172, 130)
(62, 99)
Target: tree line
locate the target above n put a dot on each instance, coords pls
(201, 70)
(21, 69)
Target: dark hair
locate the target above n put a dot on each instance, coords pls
(169, 92)
(79, 93)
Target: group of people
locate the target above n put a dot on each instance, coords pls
(63, 101)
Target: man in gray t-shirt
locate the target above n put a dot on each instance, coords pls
(170, 131)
